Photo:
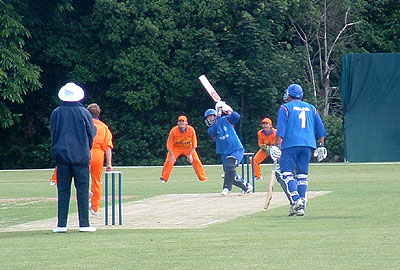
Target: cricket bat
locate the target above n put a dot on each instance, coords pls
(271, 186)
(209, 88)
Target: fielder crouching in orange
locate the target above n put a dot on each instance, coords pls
(102, 145)
(182, 140)
(266, 138)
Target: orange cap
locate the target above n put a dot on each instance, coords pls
(267, 120)
(182, 118)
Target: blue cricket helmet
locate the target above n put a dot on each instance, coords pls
(295, 91)
(210, 112)
(209, 122)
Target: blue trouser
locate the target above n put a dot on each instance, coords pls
(295, 159)
(294, 165)
(80, 173)
(230, 171)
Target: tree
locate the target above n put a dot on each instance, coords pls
(17, 75)
(380, 31)
(323, 28)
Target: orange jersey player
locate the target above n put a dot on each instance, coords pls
(182, 140)
(102, 146)
(266, 138)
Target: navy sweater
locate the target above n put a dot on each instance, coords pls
(72, 133)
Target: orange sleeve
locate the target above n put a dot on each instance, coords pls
(194, 136)
(108, 139)
(260, 138)
(170, 141)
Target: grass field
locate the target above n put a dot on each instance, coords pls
(356, 226)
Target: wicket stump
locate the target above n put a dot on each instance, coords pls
(113, 189)
(246, 159)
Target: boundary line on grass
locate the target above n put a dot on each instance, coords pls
(218, 165)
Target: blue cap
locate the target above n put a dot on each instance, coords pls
(295, 91)
(210, 112)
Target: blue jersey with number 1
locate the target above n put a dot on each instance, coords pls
(298, 124)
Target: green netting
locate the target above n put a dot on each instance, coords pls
(370, 92)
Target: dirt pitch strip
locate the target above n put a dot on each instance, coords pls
(175, 211)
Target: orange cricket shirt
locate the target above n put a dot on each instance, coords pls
(264, 139)
(186, 139)
(103, 138)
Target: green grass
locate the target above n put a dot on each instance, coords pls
(354, 227)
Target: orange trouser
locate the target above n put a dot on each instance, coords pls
(96, 169)
(197, 165)
(54, 177)
(258, 158)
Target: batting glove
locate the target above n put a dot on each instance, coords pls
(275, 152)
(320, 153)
(227, 109)
(219, 105)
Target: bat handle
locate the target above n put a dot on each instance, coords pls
(275, 165)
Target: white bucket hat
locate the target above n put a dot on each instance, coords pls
(71, 92)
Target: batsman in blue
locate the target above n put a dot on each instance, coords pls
(221, 123)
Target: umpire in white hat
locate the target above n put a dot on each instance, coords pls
(72, 133)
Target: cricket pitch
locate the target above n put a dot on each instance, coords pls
(175, 211)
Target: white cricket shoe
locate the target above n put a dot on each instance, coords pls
(87, 229)
(249, 189)
(60, 230)
(297, 209)
(256, 178)
(94, 213)
(52, 183)
(225, 192)
(299, 204)
(300, 212)
(162, 181)
(292, 212)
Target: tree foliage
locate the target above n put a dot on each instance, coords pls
(17, 75)
(379, 32)
(140, 60)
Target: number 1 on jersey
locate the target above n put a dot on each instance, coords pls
(302, 117)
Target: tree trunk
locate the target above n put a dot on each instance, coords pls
(326, 92)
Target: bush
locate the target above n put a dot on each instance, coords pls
(335, 139)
